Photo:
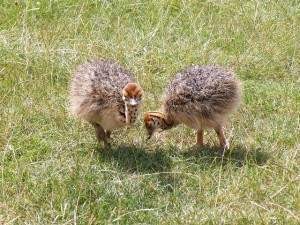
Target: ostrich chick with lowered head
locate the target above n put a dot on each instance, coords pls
(104, 94)
(200, 97)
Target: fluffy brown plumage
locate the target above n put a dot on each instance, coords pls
(200, 97)
(105, 94)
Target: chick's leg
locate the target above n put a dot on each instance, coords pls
(100, 134)
(200, 137)
(224, 144)
(108, 133)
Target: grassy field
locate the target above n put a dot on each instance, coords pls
(54, 172)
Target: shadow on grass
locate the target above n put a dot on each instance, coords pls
(137, 159)
(158, 163)
(237, 155)
(141, 160)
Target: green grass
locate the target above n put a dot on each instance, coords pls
(52, 171)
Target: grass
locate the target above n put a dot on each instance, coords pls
(52, 171)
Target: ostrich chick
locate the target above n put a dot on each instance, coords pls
(104, 94)
(200, 97)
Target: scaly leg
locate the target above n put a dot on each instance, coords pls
(200, 137)
(224, 144)
(100, 134)
(108, 133)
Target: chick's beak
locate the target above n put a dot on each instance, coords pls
(133, 102)
(150, 134)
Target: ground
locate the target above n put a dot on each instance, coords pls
(54, 172)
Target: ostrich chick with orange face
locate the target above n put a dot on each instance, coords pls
(104, 94)
(200, 97)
